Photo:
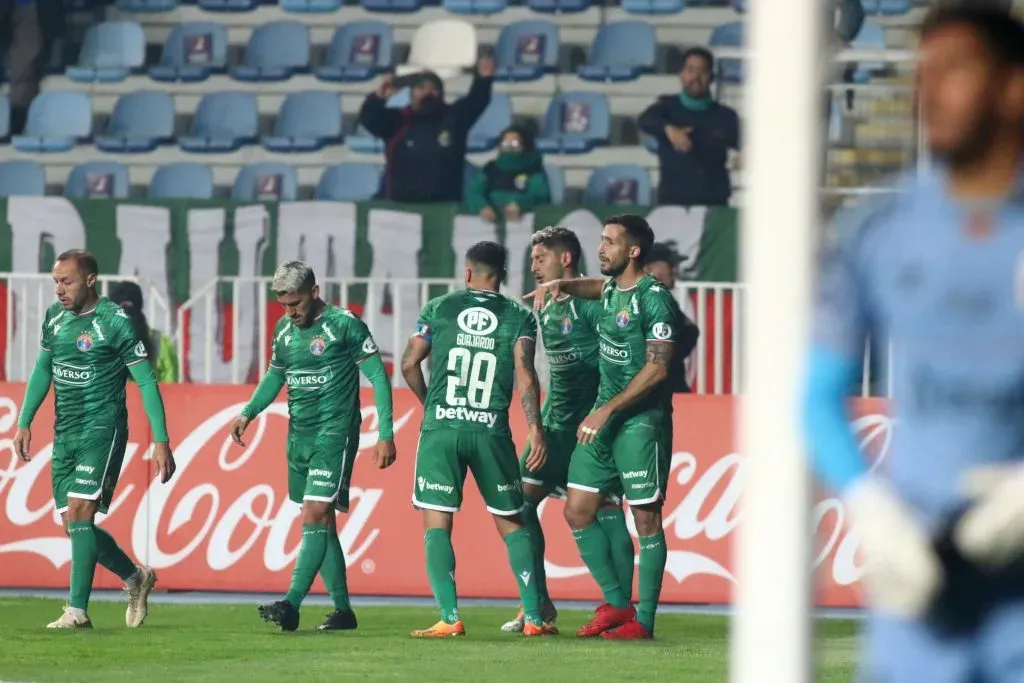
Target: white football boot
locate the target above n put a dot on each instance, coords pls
(139, 587)
(73, 617)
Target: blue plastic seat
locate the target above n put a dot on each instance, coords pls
(654, 6)
(871, 37)
(98, 180)
(556, 183)
(352, 181)
(486, 132)
(57, 121)
(223, 122)
(626, 184)
(392, 6)
(267, 181)
(575, 123)
(110, 52)
(311, 6)
(276, 51)
(149, 6)
(22, 178)
(526, 50)
(192, 53)
(358, 52)
(307, 122)
(228, 5)
(894, 7)
(363, 141)
(183, 180)
(558, 6)
(475, 6)
(740, 6)
(729, 35)
(141, 121)
(621, 52)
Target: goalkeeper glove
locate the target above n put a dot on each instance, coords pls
(991, 532)
(902, 573)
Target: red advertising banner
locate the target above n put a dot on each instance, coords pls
(224, 522)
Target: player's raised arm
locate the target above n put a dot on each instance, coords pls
(529, 392)
(580, 287)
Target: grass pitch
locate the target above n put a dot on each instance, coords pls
(185, 643)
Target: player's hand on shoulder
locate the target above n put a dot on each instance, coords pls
(164, 461)
(384, 454)
(22, 443)
(538, 449)
(238, 428)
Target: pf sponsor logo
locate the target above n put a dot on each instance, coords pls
(369, 346)
(478, 321)
(140, 350)
(72, 375)
(308, 380)
(661, 331)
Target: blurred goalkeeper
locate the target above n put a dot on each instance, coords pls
(938, 270)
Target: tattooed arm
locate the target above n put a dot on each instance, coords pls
(526, 380)
(416, 351)
(659, 355)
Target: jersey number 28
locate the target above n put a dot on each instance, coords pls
(474, 372)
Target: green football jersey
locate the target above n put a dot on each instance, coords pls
(321, 369)
(630, 318)
(472, 335)
(90, 355)
(569, 330)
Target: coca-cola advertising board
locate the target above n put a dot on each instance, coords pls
(224, 522)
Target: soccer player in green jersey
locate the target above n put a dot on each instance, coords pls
(87, 350)
(568, 328)
(478, 342)
(627, 439)
(318, 352)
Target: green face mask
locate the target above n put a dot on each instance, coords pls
(695, 103)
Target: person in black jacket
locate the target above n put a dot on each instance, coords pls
(694, 134)
(426, 142)
(662, 263)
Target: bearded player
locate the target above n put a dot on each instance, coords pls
(478, 342)
(569, 330)
(626, 441)
(87, 349)
(318, 352)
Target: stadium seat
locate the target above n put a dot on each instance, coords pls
(621, 52)
(228, 5)
(268, 181)
(182, 180)
(729, 35)
(57, 120)
(192, 52)
(526, 50)
(740, 6)
(556, 183)
(575, 123)
(5, 117)
(558, 6)
(486, 132)
(392, 6)
(98, 180)
(475, 6)
(140, 122)
(147, 5)
(894, 7)
(110, 52)
(364, 142)
(654, 6)
(275, 52)
(311, 6)
(21, 178)
(358, 52)
(307, 122)
(445, 46)
(349, 182)
(871, 37)
(224, 121)
(626, 184)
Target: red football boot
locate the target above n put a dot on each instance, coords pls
(606, 617)
(631, 630)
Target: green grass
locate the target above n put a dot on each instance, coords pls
(185, 643)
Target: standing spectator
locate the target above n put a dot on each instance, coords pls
(694, 134)
(662, 263)
(28, 31)
(426, 141)
(159, 347)
(513, 183)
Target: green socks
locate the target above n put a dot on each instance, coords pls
(537, 541)
(437, 544)
(110, 555)
(84, 553)
(311, 558)
(597, 555)
(653, 555)
(334, 574)
(613, 523)
(524, 565)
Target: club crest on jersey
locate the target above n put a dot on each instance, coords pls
(622, 319)
(317, 346)
(566, 325)
(84, 342)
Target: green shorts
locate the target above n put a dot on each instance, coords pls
(442, 458)
(634, 459)
(320, 467)
(554, 475)
(88, 467)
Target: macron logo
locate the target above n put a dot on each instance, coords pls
(466, 415)
(525, 576)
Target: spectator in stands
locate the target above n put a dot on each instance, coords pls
(159, 347)
(663, 262)
(849, 18)
(694, 134)
(513, 183)
(28, 31)
(426, 142)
